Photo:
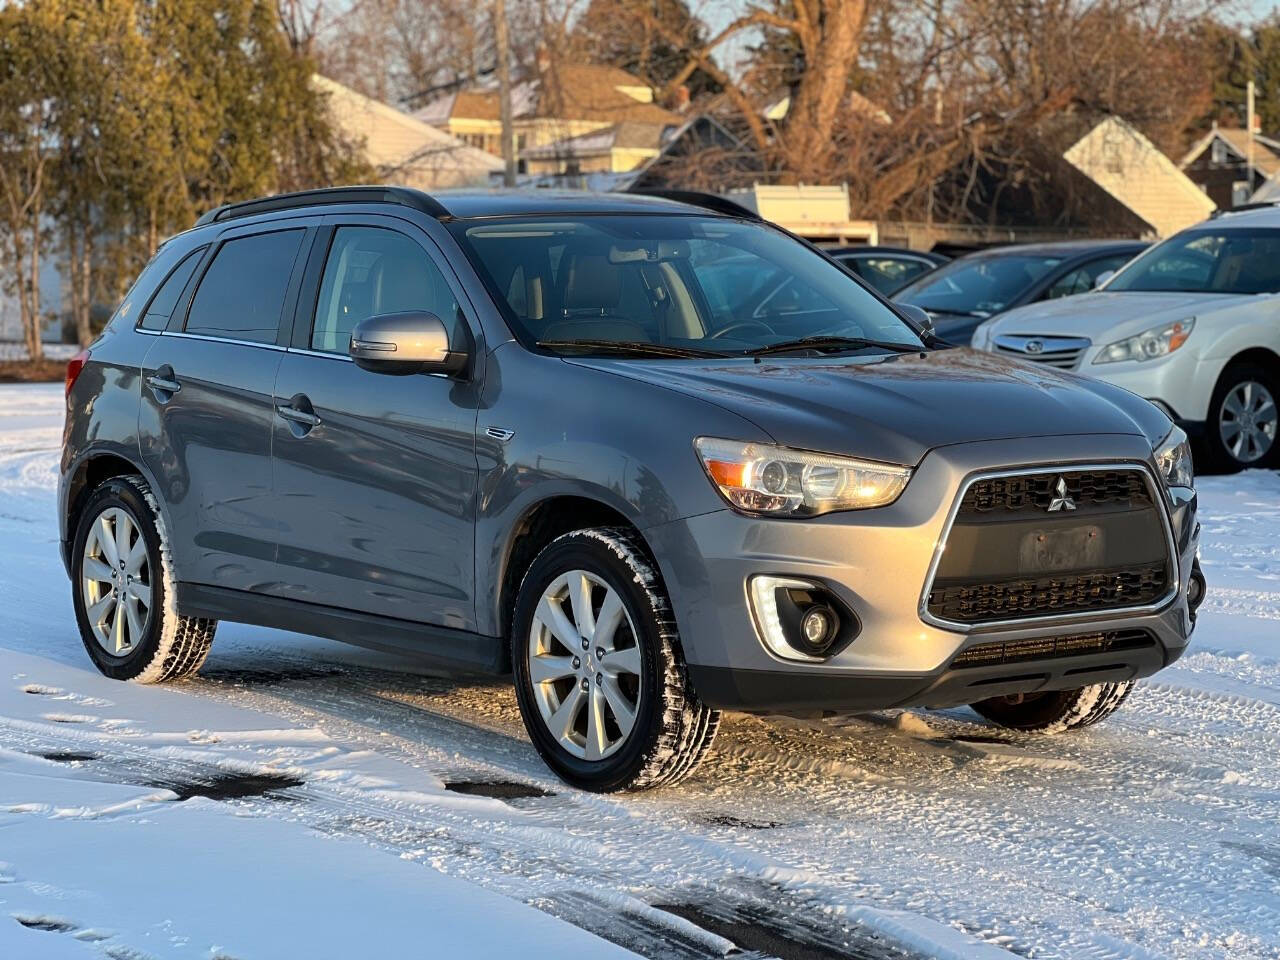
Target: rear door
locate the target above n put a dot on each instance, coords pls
(375, 475)
(206, 413)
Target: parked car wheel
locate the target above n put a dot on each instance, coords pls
(1056, 710)
(599, 672)
(1243, 418)
(121, 587)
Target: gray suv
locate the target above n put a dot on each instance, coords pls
(650, 455)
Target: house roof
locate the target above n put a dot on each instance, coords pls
(620, 136)
(1132, 170)
(566, 91)
(1266, 151)
(402, 148)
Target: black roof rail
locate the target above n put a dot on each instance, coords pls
(289, 201)
(697, 198)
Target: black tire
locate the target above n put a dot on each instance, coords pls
(673, 729)
(1220, 456)
(1056, 710)
(172, 646)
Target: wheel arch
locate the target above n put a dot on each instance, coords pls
(91, 470)
(541, 522)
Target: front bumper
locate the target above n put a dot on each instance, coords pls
(877, 562)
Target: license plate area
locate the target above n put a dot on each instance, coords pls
(1058, 549)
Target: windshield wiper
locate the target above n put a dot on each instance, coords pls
(633, 348)
(831, 343)
(977, 314)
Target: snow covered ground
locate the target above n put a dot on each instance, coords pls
(301, 798)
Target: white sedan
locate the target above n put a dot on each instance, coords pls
(1193, 325)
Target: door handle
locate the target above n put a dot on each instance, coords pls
(298, 416)
(299, 413)
(163, 382)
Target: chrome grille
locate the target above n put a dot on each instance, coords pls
(1061, 352)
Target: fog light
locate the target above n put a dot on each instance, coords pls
(800, 619)
(818, 626)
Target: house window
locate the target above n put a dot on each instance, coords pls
(1218, 154)
(1241, 191)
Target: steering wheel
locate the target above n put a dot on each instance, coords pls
(743, 325)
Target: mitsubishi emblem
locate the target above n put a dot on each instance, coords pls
(1061, 498)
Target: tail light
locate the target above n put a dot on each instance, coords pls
(74, 366)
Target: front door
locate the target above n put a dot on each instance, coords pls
(375, 475)
(205, 420)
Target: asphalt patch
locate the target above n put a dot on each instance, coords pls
(728, 820)
(755, 932)
(47, 924)
(64, 756)
(267, 678)
(498, 789)
(230, 786)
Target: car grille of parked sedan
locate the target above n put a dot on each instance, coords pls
(1050, 648)
(1047, 544)
(1061, 352)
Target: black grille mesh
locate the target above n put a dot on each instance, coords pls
(1047, 648)
(1050, 595)
(1032, 493)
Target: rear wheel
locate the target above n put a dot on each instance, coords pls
(1243, 418)
(1056, 710)
(122, 589)
(600, 676)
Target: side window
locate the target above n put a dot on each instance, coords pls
(371, 271)
(161, 307)
(1077, 281)
(241, 295)
(887, 274)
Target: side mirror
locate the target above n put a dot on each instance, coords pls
(919, 318)
(400, 343)
(1102, 278)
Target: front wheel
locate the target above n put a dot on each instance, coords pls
(599, 672)
(1056, 710)
(1243, 418)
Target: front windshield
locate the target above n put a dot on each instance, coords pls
(708, 284)
(1208, 261)
(977, 286)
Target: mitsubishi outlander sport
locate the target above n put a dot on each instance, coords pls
(568, 437)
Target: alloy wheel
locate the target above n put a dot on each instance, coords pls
(584, 665)
(115, 582)
(1247, 421)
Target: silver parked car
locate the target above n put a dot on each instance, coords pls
(552, 434)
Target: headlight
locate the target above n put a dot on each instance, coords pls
(1150, 344)
(778, 481)
(1173, 457)
(981, 339)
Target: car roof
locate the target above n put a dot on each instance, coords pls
(1263, 215)
(875, 250)
(1062, 248)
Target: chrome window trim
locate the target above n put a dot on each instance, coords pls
(200, 336)
(1158, 497)
(307, 352)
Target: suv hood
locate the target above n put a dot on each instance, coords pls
(896, 408)
(1106, 316)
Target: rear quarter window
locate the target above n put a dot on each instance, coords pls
(161, 307)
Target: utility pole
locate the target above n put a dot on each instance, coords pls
(502, 43)
(1250, 120)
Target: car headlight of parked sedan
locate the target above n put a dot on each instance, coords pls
(1173, 457)
(1149, 344)
(760, 478)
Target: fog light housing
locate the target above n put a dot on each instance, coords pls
(800, 619)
